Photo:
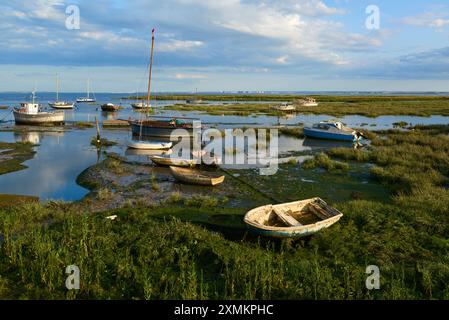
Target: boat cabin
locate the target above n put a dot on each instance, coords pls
(29, 108)
(328, 125)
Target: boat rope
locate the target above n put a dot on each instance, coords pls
(7, 115)
(266, 195)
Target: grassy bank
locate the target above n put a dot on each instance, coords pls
(151, 252)
(370, 106)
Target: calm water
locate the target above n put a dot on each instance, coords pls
(63, 154)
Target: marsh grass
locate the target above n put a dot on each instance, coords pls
(293, 132)
(149, 253)
(322, 160)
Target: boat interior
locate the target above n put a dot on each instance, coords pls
(294, 215)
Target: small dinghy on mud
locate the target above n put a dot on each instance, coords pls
(201, 178)
(171, 161)
(292, 220)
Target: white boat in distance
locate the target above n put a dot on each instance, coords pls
(60, 104)
(307, 102)
(285, 107)
(30, 113)
(88, 98)
(140, 105)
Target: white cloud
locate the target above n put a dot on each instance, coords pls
(176, 45)
(184, 76)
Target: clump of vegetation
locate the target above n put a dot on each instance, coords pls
(401, 124)
(293, 132)
(114, 165)
(12, 156)
(322, 160)
(154, 185)
(83, 124)
(201, 201)
(104, 194)
(102, 142)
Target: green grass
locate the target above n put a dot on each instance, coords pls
(322, 160)
(370, 106)
(153, 253)
(292, 132)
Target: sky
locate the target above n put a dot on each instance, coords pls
(225, 45)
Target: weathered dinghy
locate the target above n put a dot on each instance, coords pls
(192, 176)
(292, 220)
(171, 161)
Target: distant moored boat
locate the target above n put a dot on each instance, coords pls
(331, 131)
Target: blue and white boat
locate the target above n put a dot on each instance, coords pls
(331, 131)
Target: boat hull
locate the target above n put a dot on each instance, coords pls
(196, 178)
(155, 131)
(175, 162)
(85, 100)
(252, 220)
(318, 134)
(107, 108)
(41, 118)
(62, 106)
(142, 145)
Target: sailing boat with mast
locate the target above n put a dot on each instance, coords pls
(60, 104)
(87, 99)
(148, 145)
(159, 126)
(147, 104)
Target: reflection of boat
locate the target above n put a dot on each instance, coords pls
(292, 220)
(30, 137)
(140, 152)
(285, 107)
(307, 102)
(109, 107)
(331, 131)
(192, 176)
(88, 98)
(30, 113)
(60, 104)
(147, 145)
(170, 161)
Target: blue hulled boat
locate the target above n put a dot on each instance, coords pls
(332, 131)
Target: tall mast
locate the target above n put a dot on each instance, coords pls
(57, 87)
(151, 69)
(88, 85)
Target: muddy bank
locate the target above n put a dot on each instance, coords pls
(116, 182)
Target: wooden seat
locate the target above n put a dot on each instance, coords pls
(286, 217)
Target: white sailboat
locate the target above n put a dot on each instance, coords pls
(147, 104)
(60, 104)
(88, 98)
(148, 145)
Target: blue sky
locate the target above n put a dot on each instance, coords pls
(226, 45)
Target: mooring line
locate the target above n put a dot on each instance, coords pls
(250, 186)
